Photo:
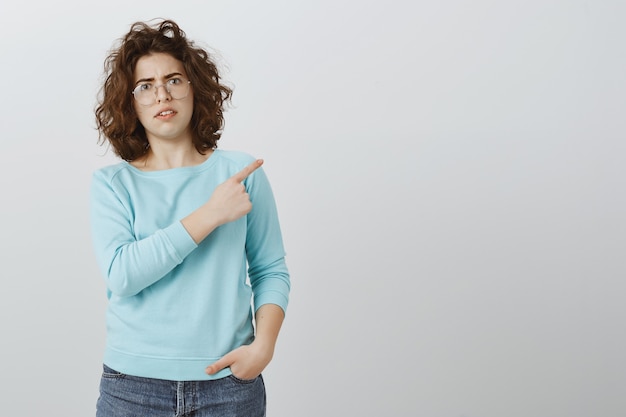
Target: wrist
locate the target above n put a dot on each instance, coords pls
(211, 214)
(264, 346)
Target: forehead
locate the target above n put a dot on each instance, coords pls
(157, 66)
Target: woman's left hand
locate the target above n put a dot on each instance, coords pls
(245, 362)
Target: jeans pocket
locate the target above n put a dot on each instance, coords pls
(111, 373)
(243, 381)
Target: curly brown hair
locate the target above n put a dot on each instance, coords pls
(116, 119)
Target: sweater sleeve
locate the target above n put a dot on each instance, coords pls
(127, 264)
(267, 269)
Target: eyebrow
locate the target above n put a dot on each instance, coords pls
(167, 77)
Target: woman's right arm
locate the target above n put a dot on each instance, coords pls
(130, 265)
(127, 264)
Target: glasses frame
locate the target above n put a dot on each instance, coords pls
(156, 92)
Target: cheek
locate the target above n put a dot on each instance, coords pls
(141, 115)
(137, 110)
(190, 108)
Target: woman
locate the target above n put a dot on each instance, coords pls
(186, 236)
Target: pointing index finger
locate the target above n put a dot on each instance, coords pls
(244, 173)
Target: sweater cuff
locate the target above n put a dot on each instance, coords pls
(271, 297)
(181, 241)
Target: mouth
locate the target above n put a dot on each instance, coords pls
(165, 113)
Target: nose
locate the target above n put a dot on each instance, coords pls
(161, 93)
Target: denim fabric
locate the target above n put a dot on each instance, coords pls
(130, 396)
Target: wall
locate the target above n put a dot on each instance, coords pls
(449, 175)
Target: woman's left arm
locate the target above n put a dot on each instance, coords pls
(269, 278)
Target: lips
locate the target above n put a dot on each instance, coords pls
(165, 113)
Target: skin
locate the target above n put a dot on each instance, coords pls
(171, 146)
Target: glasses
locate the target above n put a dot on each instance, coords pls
(146, 93)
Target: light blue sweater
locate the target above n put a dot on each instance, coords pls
(176, 307)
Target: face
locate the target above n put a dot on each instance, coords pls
(164, 115)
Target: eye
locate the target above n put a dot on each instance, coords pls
(174, 81)
(143, 87)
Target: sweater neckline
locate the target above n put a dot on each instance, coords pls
(175, 171)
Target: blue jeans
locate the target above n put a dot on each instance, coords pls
(130, 396)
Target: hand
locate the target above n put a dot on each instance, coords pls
(245, 362)
(230, 200)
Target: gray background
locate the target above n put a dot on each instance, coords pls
(450, 179)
